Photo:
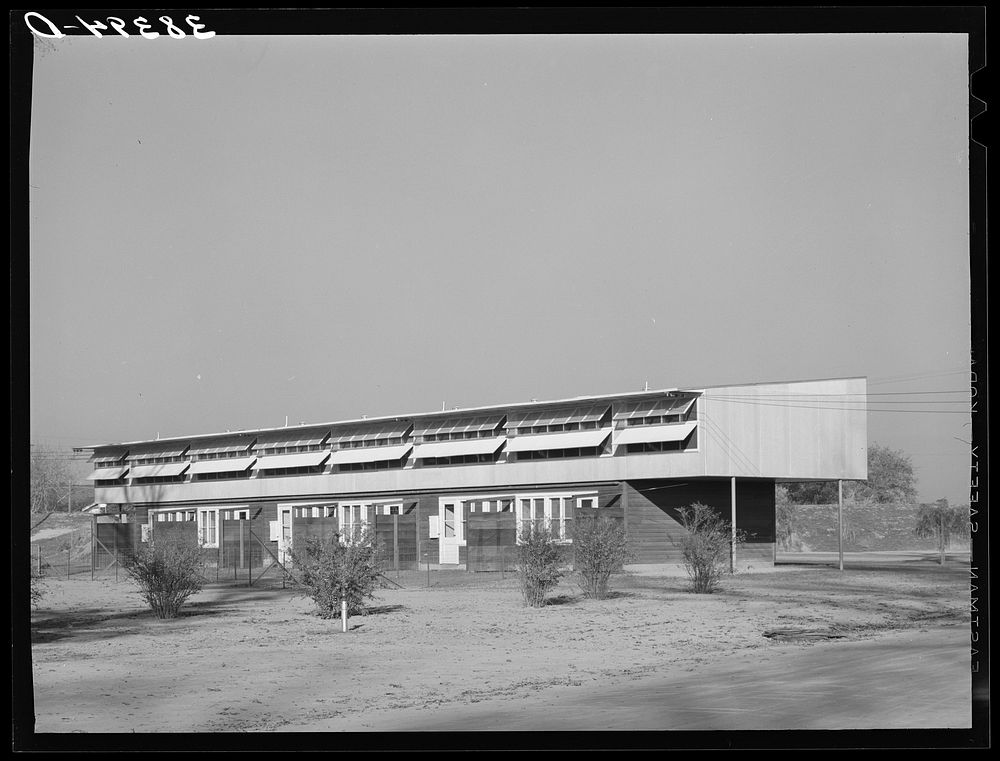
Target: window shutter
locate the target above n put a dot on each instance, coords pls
(433, 531)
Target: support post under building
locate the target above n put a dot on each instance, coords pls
(732, 527)
(840, 522)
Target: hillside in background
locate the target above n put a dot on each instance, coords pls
(884, 527)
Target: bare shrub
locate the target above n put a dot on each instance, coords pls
(167, 574)
(706, 547)
(332, 572)
(538, 564)
(600, 548)
(37, 585)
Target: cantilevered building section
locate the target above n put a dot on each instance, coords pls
(453, 489)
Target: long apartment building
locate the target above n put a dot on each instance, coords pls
(426, 480)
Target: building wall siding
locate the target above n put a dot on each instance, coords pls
(654, 526)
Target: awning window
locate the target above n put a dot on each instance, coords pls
(288, 439)
(160, 470)
(578, 414)
(107, 474)
(231, 465)
(566, 440)
(231, 446)
(389, 430)
(109, 456)
(297, 460)
(458, 447)
(670, 405)
(149, 452)
(645, 434)
(457, 425)
(369, 454)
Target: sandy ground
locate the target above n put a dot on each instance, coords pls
(49, 533)
(467, 651)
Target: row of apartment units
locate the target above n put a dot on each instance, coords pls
(587, 430)
(430, 481)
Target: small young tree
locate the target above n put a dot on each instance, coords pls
(786, 517)
(706, 546)
(939, 521)
(538, 561)
(332, 571)
(167, 574)
(600, 548)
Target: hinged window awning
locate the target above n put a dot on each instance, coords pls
(579, 414)
(167, 450)
(457, 425)
(370, 454)
(646, 434)
(161, 470)
(232, 465)
(107, 474)
(566, 440)
(289, 439)
(458, 447)
(297, 460)
(670, 405)
(229, 446)
(389, 430)
(109, 456)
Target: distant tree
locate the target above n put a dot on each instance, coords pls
(49, 480)
(890, 478)
(812, 492)
(940, 521)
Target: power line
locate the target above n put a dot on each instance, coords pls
(835, 408)
(837, 401)
(832, 394)
(922, 376)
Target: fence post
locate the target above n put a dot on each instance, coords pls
(395, 543)
(38, 559)
(249, 565)
(67, 560)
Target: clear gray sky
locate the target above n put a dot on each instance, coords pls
(228, 231)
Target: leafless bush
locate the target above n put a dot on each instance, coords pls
(167, 575)
(332, 572)
(706, 547)
(37, 585)
(538, 564)
(600, 548)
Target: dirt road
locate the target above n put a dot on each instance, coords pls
(917, 679)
